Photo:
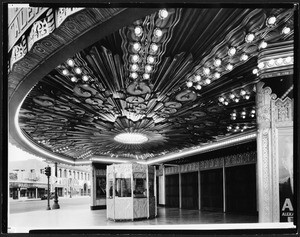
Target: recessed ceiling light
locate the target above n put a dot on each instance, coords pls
(158, 32)
(263, 44)
(150, 59)
(286, 30)
(189, 84)
(232, 51)
(78, 70)
(135, 58)
(70, 62)
(271, 20)
(131, 138)
(154, 47)
(249, 38)
(138, 31)
(217, 62)
(163, 13)
(134, 75)
(229, 67)
(65, 72)
(146, 76)
(136, 46)
(148, 68)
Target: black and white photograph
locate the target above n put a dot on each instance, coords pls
(151, 117)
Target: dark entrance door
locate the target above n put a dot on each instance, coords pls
(241, 189)
(189, 190)
(172, 190)
(212, 190)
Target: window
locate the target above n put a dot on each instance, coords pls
(65, 173)
(42, 171)
(140, 187)
(84, 176)
(32, 171)
(123, 187)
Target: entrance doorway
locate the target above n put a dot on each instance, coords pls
(241, 189)
(189, 190)
(172, 190)
(212, 190)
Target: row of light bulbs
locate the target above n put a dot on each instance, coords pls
(86, 154)
(195, 80)
(243, 114)
(237, 128)
(273, 63)
(62, 149)
(153, 49)
(76, 71)
(234, 97)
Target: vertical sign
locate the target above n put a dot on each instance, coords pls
(286, 188)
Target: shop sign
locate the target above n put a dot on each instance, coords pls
(63, 13)
(39, 30)
(18, 51)
(20, 20)
(286, 189)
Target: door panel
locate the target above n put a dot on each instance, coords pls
(172, 190)
(212, 190)
(189, 190)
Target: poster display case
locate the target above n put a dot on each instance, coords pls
(131, 192)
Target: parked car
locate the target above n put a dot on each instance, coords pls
(46, 196)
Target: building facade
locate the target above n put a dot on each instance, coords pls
(27, 180)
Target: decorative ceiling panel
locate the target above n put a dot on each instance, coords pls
(174, 79)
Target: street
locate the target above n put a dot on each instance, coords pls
(38, 205)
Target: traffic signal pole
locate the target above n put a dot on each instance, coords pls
(48, 174)
(48, 196)
(55, 204)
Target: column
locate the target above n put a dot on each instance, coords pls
(93, 187)
(180, 189)
(274, 112)
(36, 192)
(162, 186)
(19, 193)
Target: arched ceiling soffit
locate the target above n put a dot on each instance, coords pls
(173, 79)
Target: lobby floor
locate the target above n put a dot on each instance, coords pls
(84, 218)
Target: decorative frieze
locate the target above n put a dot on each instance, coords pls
(41, 28)
(241, 159)
(172, 170)
(283, 110)
(211, 164)
(189, 167)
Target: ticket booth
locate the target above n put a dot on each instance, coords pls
(131, 192)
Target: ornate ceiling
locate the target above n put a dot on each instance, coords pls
(179, 77)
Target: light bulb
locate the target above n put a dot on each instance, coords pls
(189, 84)
(148, 68)
(154, 47)
(78, 70)
(138, 31)
(249, 38)
(163, 14)
(229, 67)
(286, 30)
(150, 59)
(135, 58)
(136, 46)
(232, 51)
(71, 62)
(146, 76)
(158, 33)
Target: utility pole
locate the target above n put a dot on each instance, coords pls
(55, 205)
(48, 173)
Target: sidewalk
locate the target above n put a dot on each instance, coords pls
(36, 199)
